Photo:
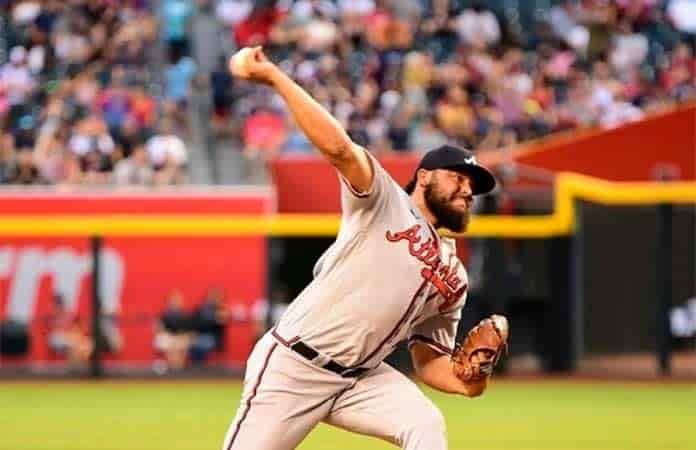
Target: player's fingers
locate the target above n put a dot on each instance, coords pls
(501, 325)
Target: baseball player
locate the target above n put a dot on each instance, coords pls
(388, 276)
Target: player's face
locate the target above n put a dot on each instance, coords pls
(449, 197)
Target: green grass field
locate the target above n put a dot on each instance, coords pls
(165, 415)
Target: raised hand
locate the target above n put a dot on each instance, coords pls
(250, 63)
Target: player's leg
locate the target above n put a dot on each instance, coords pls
(387, 405)
(283, 400)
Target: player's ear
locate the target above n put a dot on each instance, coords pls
(423, 177)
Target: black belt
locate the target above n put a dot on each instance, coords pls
(309, 353)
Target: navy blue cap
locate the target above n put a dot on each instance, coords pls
(458, 160)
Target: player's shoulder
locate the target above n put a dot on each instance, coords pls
(383, 181)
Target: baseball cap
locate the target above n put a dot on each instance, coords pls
(459, 160)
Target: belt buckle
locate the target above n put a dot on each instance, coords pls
(320, 360)
(352, 372)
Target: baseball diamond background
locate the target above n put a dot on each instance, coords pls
(159, 212)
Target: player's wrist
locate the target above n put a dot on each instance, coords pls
(275, 76)
(474, 388)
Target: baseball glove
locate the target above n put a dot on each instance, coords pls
(480, 351)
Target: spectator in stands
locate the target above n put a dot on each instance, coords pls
(55, 163)
(221, 83)
(143, 110)
(92, 144)
(618, 111)
(232, 12)
(599, 17)
(357, 130)
(114, 103)
(564, 23)
(167, 154)
(255, 28)
(174, 334)
(16, 78)
(682, 13)
(134, 169)
(427, 135)
(454, 115)
(399, 132)
(477, 25)
(24, 170)
(355, 10)
(209, 321)
(315, 27)
(677, 77)
(178, 76)
(176, 17)
(640, 12)
(129, 136)
(629, 48)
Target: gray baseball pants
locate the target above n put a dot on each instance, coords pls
(285, 396)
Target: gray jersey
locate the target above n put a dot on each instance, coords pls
(388, 277)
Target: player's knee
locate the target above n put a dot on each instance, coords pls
(428, 427)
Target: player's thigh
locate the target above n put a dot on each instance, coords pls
(262, 428)
(387, 405)
(281, 403)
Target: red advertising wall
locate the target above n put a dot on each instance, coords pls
(631, 152)
(310, 184)
(137, 273)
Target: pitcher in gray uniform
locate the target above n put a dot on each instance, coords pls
(388, 277)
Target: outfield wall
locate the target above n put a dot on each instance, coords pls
(137, 273)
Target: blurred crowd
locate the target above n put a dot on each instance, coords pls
(409, 75)
(102, 91)
(76, 100)
(182, 337)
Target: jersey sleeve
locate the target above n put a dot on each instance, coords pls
(438, 332)
(383, 186)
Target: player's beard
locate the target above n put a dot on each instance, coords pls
(440, 204)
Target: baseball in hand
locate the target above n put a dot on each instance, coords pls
(501, 323)
(239, 62)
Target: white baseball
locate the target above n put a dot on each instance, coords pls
(238, 62)
(502, 324)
